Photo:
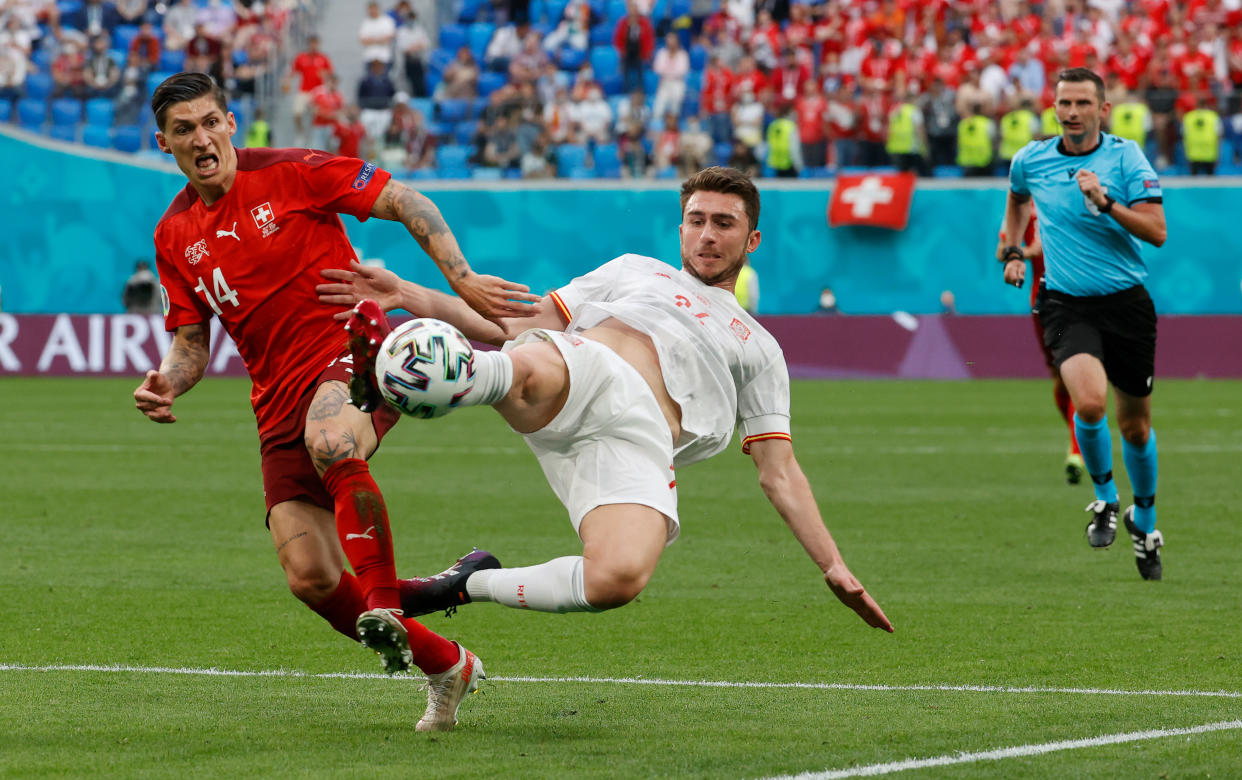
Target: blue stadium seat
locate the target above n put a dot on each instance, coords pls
(723, 152)
(463, 132)
(554, 11)
(536, 12)
(605, 62)
(6, 110)
(487, 174)
(570, 58)
(424, 106)
(659, 10)
(568, 158)
(453, 172)
(123, 36)
(470, 10)
(679, 8)
(690, 106)
(97, 136)
(453, 37)
(580, 172)
(453, 111)
(155, 79)
(127, 138)
(38, 86)
(42, 58)
(947, 172)
(172, 60)
(613, 12)
(694, 82)
(478, 36)
(66, 7)
(607, 160)
(612, 85)
(100, 112)
(651, 81)
(31, 113)
(698, 59)
(66, 133)
(600, 35)
(439, 60)
(452, 156)
(490, 81)
(66, 112)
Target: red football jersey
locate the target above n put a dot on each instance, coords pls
(253, 259)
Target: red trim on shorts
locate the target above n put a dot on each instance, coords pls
(761, 437)
(561, 307)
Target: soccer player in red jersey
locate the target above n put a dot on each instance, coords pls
(246, 241)
(1033, 251)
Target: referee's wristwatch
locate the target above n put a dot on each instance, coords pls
(1012, 253)
(1108, 204)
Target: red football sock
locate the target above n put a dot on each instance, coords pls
(362, 526)
(1065, 405)
(343, 607)
(432, 652)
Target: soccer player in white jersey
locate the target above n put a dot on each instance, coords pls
(623, 375)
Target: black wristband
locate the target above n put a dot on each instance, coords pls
(1108, 204)
(1012, 253)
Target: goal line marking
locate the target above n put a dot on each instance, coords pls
(1020, 751)
(212, 672)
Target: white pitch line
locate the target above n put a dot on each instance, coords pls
(211, 672)
(1021, 751)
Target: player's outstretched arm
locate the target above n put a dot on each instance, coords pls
(180, 370)
(392, 292)
(787, 488)
(490, 296)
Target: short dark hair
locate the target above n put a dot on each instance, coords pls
(182, 88)
(730, 181)
(1081, 75)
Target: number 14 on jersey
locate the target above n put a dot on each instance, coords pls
(224, 293)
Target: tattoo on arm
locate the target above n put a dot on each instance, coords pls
(424, 221)
(187, 357)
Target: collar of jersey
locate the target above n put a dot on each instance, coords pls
(1061, 148)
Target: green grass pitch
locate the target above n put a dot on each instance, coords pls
(135, 559)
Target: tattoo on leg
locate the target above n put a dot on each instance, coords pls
(329, 403)
(298, 535)
(325, 452)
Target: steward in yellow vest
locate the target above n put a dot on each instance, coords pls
(1048, 124)
(782, 135)
(1015, 131)
(974, 144)
(1201, 134)
(905, 144)
(259, 134)
(1131, 120)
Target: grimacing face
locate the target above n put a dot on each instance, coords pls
(715, 237)
(198, 134)
(1079, 110)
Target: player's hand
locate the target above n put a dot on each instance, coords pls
(1089, 183)
(1015, 273)
(494, 297)
(154, 398)
(362, 281)
(846, 587)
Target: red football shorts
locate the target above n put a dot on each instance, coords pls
(288, 473)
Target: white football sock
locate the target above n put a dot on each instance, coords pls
(493, 376)
(555, 586)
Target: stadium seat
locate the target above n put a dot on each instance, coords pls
(440, 59)
(613, 12)
(600, 35)
(453, 156)
(651, 81)
(38, 86)
(127, 138)
(66, 7)
(155, 79)
(490, 81)
(66, 133)
(554, 11)
(569, 157)
(97, 136)
(100, 112)
(690, 106)
(453, 172)
(42, 58)
(607, 160)
(659, 11)
(123, 35)
(424, 106)
(470, 10)
(536, 12)
(570, 58)
(31, 113)
(463, 132)
(173, 61)
(453, 111)
(6, 110)
(698, 59)
(478, 35)
(605, 62)
(452, 37)
(66, 112)
(679, 8)
(723, 152)
(487, 174)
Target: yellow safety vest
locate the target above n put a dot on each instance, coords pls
(1199, 128)
(974, 145)
(747, 284)
(901, 130)
(1130, 121)
(1015, 132)
(1048, 122)
(780, 140)
(259, 134)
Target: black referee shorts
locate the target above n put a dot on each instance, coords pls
(1119, 329)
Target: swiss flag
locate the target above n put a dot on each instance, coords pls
(879, 199)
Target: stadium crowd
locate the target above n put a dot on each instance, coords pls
(637, 88)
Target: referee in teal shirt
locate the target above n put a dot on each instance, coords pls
(1097, 197)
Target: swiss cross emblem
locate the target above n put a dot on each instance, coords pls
(739, 329)
(262, 214)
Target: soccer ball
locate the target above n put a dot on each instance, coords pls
(425, 367)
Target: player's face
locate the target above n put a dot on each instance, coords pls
(716, 237)
(1079, 110)
(199, 137)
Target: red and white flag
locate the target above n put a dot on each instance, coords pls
(879, 199)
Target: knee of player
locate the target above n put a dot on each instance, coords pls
(1135, 431)
(1091, 410)
(609, 588)
(329, 442)
(312, 584)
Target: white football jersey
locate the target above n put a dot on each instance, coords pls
(719, 364)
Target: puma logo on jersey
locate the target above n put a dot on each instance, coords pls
(364, 535)
(233, 232)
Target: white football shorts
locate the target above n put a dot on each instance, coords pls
(610, 444)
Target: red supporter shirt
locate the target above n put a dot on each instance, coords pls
(311, 67)
(253, 259)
